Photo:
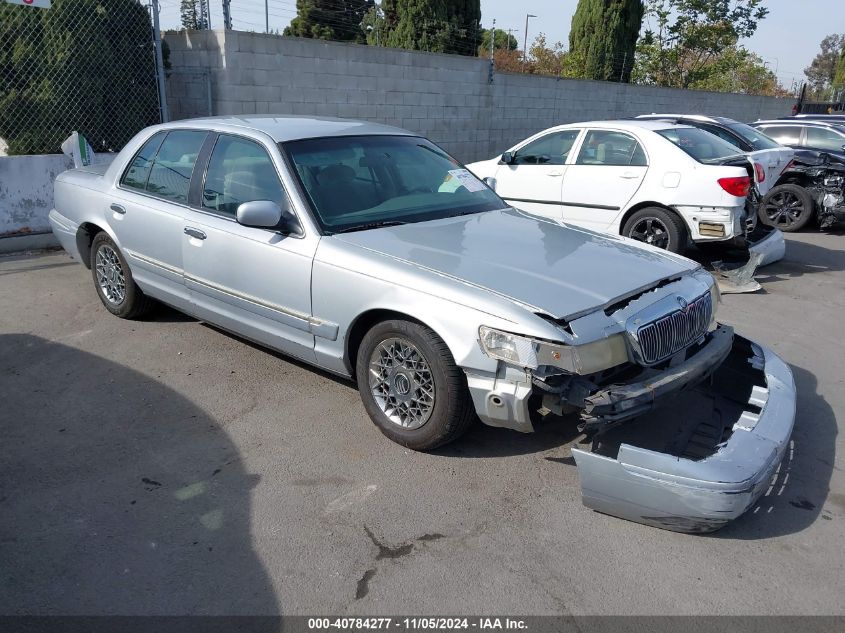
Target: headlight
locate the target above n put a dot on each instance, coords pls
(511, 348)
(531, 353)
(715, 300)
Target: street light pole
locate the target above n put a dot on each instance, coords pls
(525, 41)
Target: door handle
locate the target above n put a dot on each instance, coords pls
(189, 230)
(117, 208)
(555, 173)
(629, 175)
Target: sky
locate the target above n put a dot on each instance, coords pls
(787, 39)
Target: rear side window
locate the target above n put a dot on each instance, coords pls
(783, 134)
(139, 169)
(756, 138)
(551, 149)
(700, 144)
(603, 147)
(823, 138)
(170, 176)
(239, 171)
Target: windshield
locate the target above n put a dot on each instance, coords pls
(701, 145)
(360, 182)
(755, 137)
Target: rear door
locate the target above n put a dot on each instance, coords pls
(608, 171)
(147, 212)
(253, 281)
(534, 179)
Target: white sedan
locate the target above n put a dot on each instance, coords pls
(653, 181)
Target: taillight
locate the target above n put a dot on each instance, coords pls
(789, 166)
(739, 186)
(761, 173)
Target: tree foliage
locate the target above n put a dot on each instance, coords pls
(692, 38)
(839, 78)
(502, 41)
(604, 36)
(339, 20)
(84, 65)
(440, 26)
(190, 15)
(821, 72)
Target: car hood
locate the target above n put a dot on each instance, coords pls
(558, 269)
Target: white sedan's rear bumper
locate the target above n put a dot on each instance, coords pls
(712, 224)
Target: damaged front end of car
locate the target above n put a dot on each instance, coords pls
(685, 431)
(823, 176)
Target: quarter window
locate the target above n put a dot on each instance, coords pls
(239, 171)
(139, 169)
(170, 176)
(551, 149)
(823, 138)
(602, 147)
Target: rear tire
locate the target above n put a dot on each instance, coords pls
(786, 207)
(411, 387)
(113, 280)
(658, 227)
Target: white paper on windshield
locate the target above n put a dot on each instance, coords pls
(466, 179)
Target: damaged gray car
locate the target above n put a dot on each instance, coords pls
(369, 252)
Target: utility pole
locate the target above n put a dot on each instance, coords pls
(525, 41)
(227, 15)
(266, 16)
(492, 40)
(162, 96)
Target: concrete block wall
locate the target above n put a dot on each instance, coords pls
(447, 98)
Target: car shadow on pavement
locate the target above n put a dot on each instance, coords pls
(798, 493)
(486, 441)
(117, 494)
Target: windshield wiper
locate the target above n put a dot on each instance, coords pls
(370, 225)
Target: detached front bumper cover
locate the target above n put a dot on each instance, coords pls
(676, 491)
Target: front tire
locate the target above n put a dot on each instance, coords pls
(113, 280)
(658, 227)
(411, 387)
(786, 207)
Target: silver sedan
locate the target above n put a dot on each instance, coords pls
(369, 252)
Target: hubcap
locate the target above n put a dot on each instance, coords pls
(651, 231)
(784, 209)
(110, 275)
(401, 383)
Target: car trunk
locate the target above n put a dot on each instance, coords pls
(773, 162)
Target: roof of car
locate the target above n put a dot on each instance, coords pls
(802, 122)
(290, 128)
(623, 124)
(694, 117)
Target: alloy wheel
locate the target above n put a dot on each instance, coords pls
(651, 231)
(110, 276)
(401, 383)
(784, 209)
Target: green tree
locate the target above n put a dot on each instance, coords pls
(441, 26)
(604, 35)
(839, 78)
(822, 70)
(339, 20)
(85, 65)
(691, 37)
(502, 41)
(190, 15)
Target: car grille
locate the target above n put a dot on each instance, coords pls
(667, 335)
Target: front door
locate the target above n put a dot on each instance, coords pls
(534, 179)
(608, 172)
(253, 281)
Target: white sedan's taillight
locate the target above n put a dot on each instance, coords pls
(738, 186)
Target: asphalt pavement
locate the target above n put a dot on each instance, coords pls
(165, 467)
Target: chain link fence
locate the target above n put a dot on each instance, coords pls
(80, 65)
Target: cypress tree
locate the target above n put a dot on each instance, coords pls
(439, 26)
(338, 20)
(603, 37)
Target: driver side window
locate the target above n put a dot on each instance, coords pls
(551, 149)
(239, 171)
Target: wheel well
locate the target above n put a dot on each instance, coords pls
(645, 205)
(362, 324)
(802, 180)
(84, 238)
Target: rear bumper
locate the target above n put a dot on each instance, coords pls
(713, 224)
(684, 492)
(65, 231)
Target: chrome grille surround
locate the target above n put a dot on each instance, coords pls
(659, 339)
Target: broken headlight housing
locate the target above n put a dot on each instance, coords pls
(531, 353)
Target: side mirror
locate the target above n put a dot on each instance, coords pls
(265, 214)
(508, 158)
